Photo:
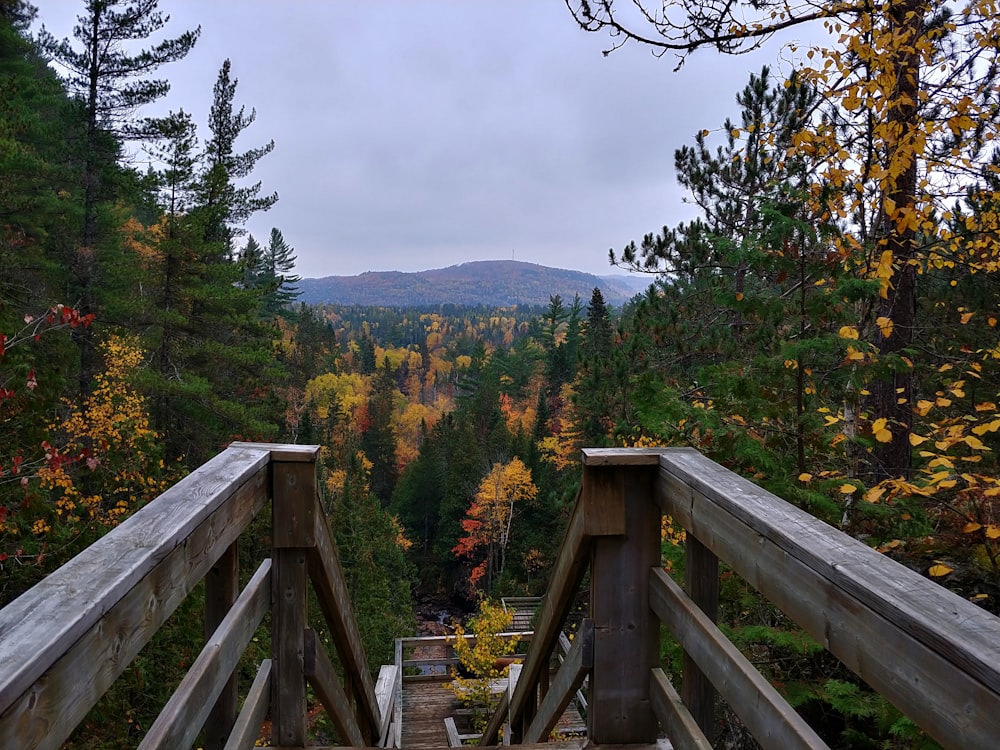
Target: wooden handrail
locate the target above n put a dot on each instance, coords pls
(565, 580)
(934, 655)
(64, 642)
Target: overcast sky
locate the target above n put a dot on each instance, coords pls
(416, 134)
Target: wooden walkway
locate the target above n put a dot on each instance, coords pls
(426, 703)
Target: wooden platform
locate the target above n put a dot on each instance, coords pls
(426, 703)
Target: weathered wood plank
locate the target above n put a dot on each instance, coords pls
(294, 506)
(288, 623)
(397, 706)
(564, 647)
(251, 717)
(451, 731)
(335, 601)
(385, 696)
(626, 632)
(323, 677)
(579, 661)
(701, 576)
(564, 581)
(621, 456)
(222, 587)
(191, 703)
(677, 721)
(901, 633)
(772, 722)
(283, 452)
(293, 509)
(50, 708)
(42, 623)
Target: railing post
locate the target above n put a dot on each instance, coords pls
(222, 586)
(701, 579)
(293, 484)
(626, 631)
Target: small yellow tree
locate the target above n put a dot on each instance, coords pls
(489, 520)
(483, 659)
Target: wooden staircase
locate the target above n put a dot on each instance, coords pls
(62, 644)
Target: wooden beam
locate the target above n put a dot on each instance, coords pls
(185, 713)
(564, 582)
(680, 726)
(397, 705)
(579, 661)
(295, 505)
(564, 647)
(323, 677)
(772, 722)
(621, 456)
(626, 633)
(40, 625)
(904, 635)
(701, 576)
(294, 508)
(79, 671)
(385, 696)
(288, 623)
(283, 452)
(222, 586)
(335, 601)
(248, 723)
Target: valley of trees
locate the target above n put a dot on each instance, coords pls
(826, 327)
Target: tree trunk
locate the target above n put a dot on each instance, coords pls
(891, 396)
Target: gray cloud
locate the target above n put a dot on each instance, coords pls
(414, 134)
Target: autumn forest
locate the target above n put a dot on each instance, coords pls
(827, 327)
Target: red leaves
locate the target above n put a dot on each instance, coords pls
(31, 383)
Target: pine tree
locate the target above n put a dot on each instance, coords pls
(226, 205)
(112, 84)
(277, 278)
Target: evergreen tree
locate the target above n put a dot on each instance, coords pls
(226, 205)
(277, 279)
(378, 441)
(112, 84)
(594, 382)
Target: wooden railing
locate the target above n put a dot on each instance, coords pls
(934, 655)
(63, 642)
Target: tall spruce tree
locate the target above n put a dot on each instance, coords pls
(276, 278)
(113, 85)
(226, 203)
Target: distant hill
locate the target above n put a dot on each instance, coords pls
(496, 283)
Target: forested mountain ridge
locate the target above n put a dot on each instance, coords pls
(493, 283)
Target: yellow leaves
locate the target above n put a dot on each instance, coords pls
(982, 429)
(966, 317)
(848, 332)
(923, 407)
(939, 569)
(975, 443)
(847, 488)
(958, 123)
(874, 494)
(990, 531)
(916, 439)
(881, 431)
(883, 273)
(805, 477)
(885, 326)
